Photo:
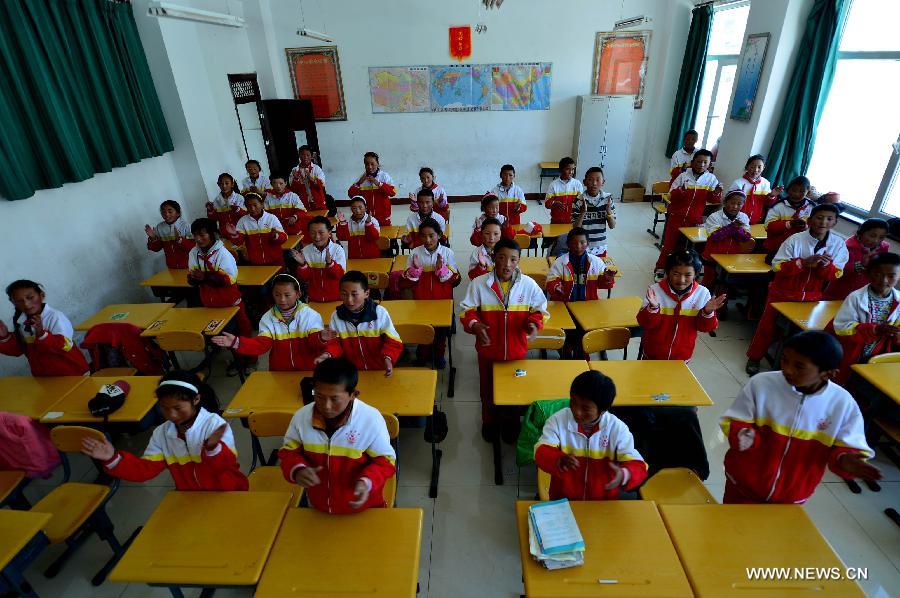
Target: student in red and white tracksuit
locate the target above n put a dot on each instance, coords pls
(789, 215)
(307, 180)
(361, 232)
(563, 281)
(228, 206)
(377, 187)
(868, 242)
(802, 266)
(286, 206)
(682, 157)
(365, 333)
(425, 204)
(727, 231)
(589, 452)
(757, 189)
(511, 196)
(441, 201)
(785, 427)
(321, 263)
(260, 233)
(688, 196)
(503, 309)
(255, 181)
(490, 208)
(671, 318)
(482, 259)
(563, 192)
(171, 236)
(45, 336)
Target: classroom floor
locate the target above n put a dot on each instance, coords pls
(469, 543)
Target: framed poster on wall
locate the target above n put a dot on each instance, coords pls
(620, 64)
(316, 76)
(753, 58)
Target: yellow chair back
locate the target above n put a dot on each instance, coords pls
(549, 338)
(543, 484)
(181, 341)
(604, 339)
(660, 187)
(886, 358)
(676, 486)
(415, 334)
(269, 423)
(68, 438)
(523, 241)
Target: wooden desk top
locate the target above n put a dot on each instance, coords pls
(549, 165)
(554, 230)
(196, 551)
(380, 265)
(626, 544)
(436, 312)
(205, 320)
(716, 543)
(9, 480)
(543, 379)
(72, 408)
(614, 312)
(390, 232)
(409, 391)
(388, 566)
(136, 314)
(650, 383)
(292, 241)
(559, 316)
(809, 315)
(32, 397)
(743, 263)
(531, 266)
(17, 528)
(250, 276)
(883, 376)
(697, 234)
(324, 309)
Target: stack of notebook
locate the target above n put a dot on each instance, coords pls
(553, 535)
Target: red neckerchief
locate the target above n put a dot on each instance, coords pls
(664, 285)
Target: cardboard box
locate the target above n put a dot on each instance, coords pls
(632, 192)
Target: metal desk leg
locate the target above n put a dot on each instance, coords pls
(436, 455)
(451, 374)
(498, 460)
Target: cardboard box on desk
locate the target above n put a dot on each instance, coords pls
(633, 192)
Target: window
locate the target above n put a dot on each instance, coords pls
(725, 39)
(858, 136)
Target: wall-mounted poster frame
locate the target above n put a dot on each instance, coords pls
(620, 64)
(753, 59)
(316, 76)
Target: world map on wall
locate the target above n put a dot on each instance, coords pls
(460, 88)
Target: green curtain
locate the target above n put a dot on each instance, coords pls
(795, 135)
(687, 99)
(77, 97)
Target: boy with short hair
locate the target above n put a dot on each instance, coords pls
(337, 447)
(578, 275)
(490, 208)
(321, 263)
(286, 206)
(683, 156)
(425, 201)
(361, 232)
(562, 193)
(785, 427)
(504, 309)
(594, 210)
(511, 196)
(589, 452)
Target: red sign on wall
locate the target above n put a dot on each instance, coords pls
(461, 42)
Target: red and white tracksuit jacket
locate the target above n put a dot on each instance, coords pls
(778, 218)
(854, 325)
(561, 278)
(219, 285)
(721, 238)
(505, 316)
(367, 344)
(681, 161)
(411, 232)
(687, 201)
(175, 241)
(854, 277)
(285, 206)
(559, 199)
(293, 345)
(192, 466)
(475, 267)
(378, 197)
(360, 449)
(322, 280)
(311, 189)
(441, 201)
(429, 286)
(670, 331)
(512, 202)
(226, 210)
(361, 237)
(759, 197)
(506, 229)
(262, 239)
(261, 183)
(610, 443)
(53, 353)
(797, 435)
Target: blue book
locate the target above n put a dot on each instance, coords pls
(555, 527)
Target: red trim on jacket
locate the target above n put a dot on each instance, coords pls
(175, 250)
(363, 246)
(50, 355)
(673, 335)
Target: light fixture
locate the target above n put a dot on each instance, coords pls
(304, 32)
(632, 22)
(157, 8)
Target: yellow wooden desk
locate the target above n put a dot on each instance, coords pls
(626, 545)
(697, 234)
(610, 264)
(435, 312)
(249, 276)
(543, 379)
(205, 320)
(742, 263)
(559, 316)
(136, 314)
(9, 481)
(400, 262)
(717, 543)
(883, 376)
(650, 383)
(808, 315)
(375, 269)
(606, 313)
(32, 397)
(390, 232)
(409, 391)
(291, 243)
(389, 565)
(314, 213)
(196, 551)
(72, 408)
(534, 266)
(551, 231)
(17, 528)
(324, 309)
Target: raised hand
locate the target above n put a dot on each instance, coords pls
(715, 303)
(102, 450)
(746, 437)
(229, 230)
(226, 339)
(482, 260)
(388, 367)
(360, 495)
(341, 218)
(652, 299)
(151, 232)
(298, 257)
(328, 259)
(618, 477)
(321, 358)
(38, 323)
(291, 220)
(567, 463)
(438, 263)
(213, 441)
(307, 476)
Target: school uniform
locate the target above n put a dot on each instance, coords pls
(680, 162)
(723, 235)
(759, 196)
(226, 211)
(359, 449)
(367, 337)
(361, 237)
(262, 238)
(797, 435)
(262, 184)
(574, 278)
(795, 282)
(310, 189)
(475, 267)
(855, 323)
(688, 197)
(778, 218)
(560, 197)
(512, 202)
(855, 276)
(175, 241)
(670, 330)
(323, 280)
(610, 443)
(414, 221)
(54, 353)
(191, 464)
(506, 230)
(595, 210)
(293, 345)
(431, 284)
(378, 195)
(441, 201)
(285, 206)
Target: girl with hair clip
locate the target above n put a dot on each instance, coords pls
(377, 187)
(291, 330)
(195, 444)
(44, 337)
(441, 201)
(171, 236)
(228, 206)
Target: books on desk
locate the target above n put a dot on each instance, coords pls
(553, 535)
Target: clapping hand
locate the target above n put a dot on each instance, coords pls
(745, 438)
(360, 495)
(531, 330)
(715, 303)
(101, 450)
(618, 477)
(226, 339)
(151, 232)
(652, 299)
(213, 441)
(567, 463)
(298, 257)
(308, 476)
